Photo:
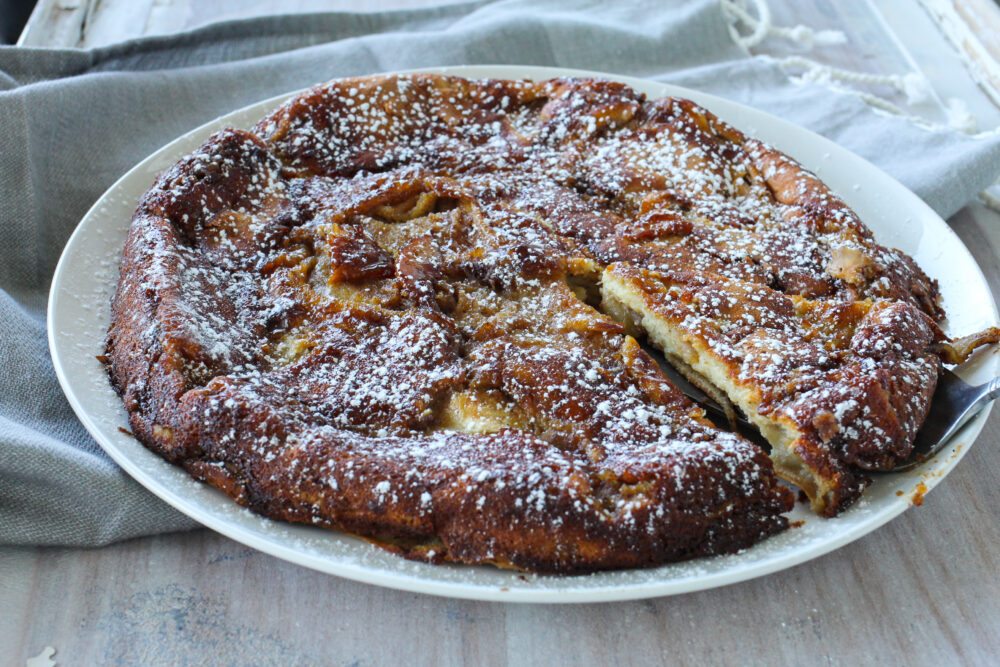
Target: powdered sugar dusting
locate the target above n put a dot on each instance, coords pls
(387, 262)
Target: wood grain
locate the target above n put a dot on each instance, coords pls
(983, 19)
(55, 23)
(973, 28)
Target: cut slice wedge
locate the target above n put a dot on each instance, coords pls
(837, 388)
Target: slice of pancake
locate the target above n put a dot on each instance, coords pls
(834, 386)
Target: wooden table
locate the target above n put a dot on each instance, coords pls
(925, 589)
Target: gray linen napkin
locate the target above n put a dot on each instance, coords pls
(71, 122)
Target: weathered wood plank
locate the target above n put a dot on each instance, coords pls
(56, 23)
(973, 27)
(113, 20)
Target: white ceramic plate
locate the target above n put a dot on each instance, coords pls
(78, 317)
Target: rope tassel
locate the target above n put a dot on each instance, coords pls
(914, 86)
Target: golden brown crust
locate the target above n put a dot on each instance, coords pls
(375, 312)
(846, 384)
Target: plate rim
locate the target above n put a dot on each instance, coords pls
(468, 590)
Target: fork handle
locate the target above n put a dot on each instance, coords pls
(985, 393)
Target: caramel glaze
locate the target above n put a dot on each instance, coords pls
(375, 312)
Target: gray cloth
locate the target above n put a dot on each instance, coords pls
(71, 122)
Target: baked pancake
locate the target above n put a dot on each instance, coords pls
(404, 307)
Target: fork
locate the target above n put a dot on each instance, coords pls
(955, 402)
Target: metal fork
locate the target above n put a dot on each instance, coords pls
(953, 405)
(955, 402)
